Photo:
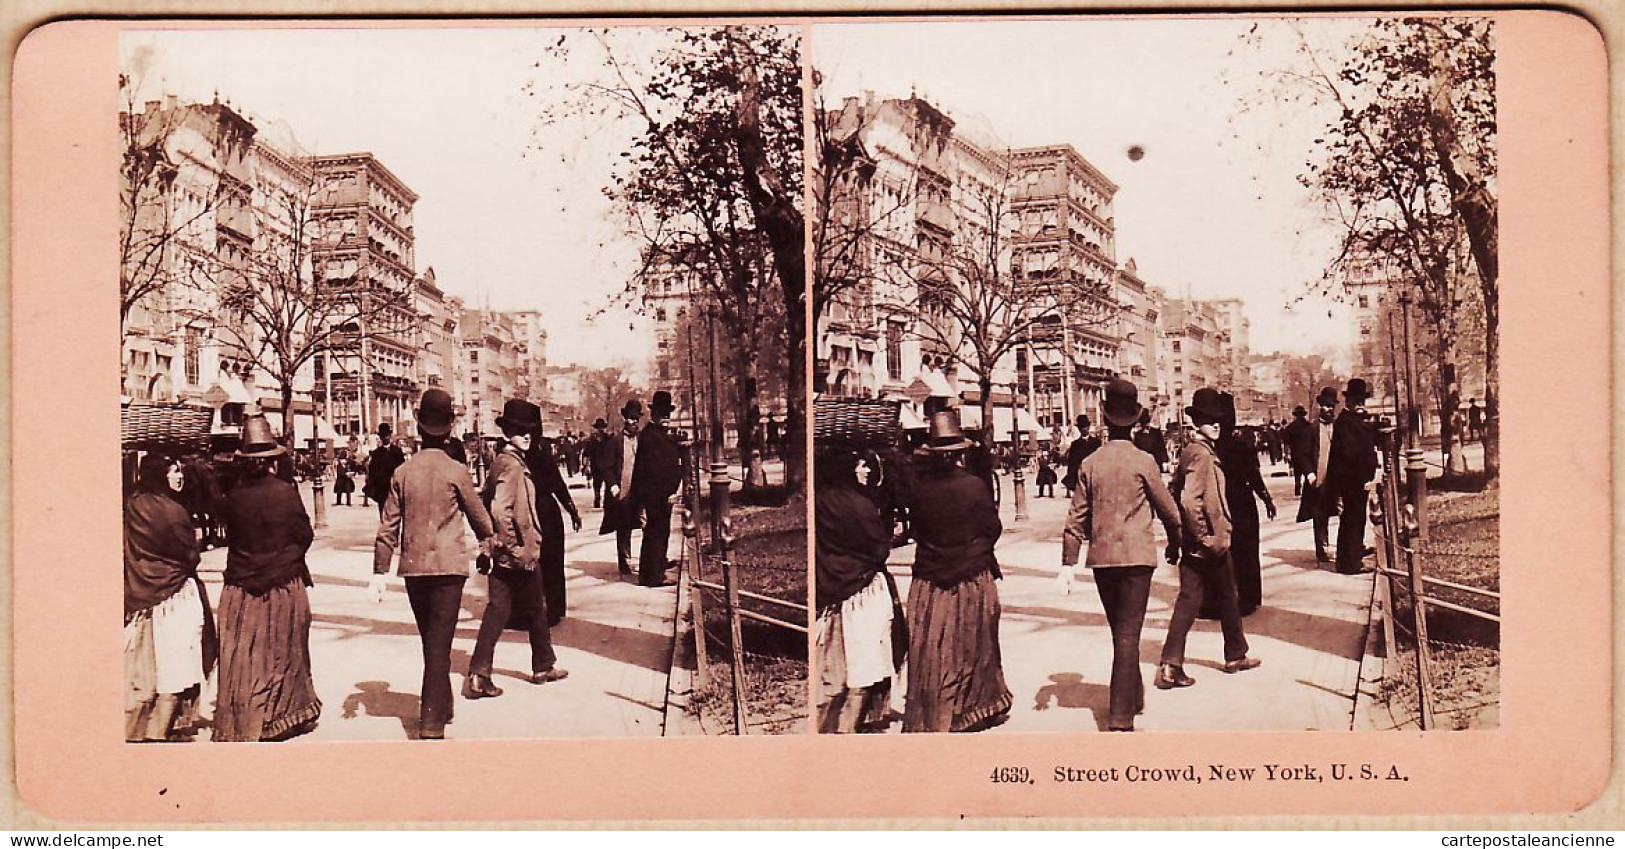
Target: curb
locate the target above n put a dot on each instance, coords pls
(679, 718)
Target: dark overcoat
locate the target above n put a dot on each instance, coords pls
(620, 513)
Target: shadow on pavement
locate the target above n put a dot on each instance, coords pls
(376, 699)
(1068, 690)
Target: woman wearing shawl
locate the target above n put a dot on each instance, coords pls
(955, 675)
(1243, 482)
(266, 689)
(169, 640)
(856, 601)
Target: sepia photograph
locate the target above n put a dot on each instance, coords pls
(461, 380)
(1156, 373)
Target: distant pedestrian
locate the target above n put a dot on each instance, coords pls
(1350, 470)
(1046, 475)
(1297, 438)
(1081, 447)
(381, 466)
(343, 483)
(656, 477)
(516, 557)
(430, 498)
(774, 437)
(591, 450)
(955, 673)
(617, 460)
(266, 690)
(553, 503)
(1149, 440)
(1311, 454)
(1205, 560)
(1119, 489)
(1475, 420)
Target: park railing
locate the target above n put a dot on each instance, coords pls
(710, 576)
(1399, 514)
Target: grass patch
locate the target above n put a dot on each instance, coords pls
(1463, 546)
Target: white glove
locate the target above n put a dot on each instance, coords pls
(1063, 580)
(375, 589)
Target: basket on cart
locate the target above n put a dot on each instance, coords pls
(855, 423)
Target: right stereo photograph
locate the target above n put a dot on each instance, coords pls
(1155, 375)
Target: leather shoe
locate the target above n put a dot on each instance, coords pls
(1242, 665)
(480, 687)
(1322, 557)
(1363, 569)
(665, 582)
(426, 734)
(1170, 676)
(554, 674)
(625, 569)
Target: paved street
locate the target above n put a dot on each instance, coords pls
(1057, 649)
(616, 642)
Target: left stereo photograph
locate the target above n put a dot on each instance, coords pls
(462, 382)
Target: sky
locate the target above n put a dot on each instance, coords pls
(511, 214)
(1213, 209)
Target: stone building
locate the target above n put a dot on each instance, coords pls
(361, 219)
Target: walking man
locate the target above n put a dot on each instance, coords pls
(1080, 448)
(590, 451)
(430, 497)
(1119, 488)
(1205, 559)
(1149, 440)
(1312, 455)
(381, 466)
(656, 475)
(617, 459)
(1350, 469)
(1298, 437)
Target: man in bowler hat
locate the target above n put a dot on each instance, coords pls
(1119, 489)
(656, 476)
(1311, 455)
(430, 497)
(1351, 466)
(381, 466)
(1082, 447)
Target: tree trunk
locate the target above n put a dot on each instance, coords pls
(986, 467)
(287, 412)
(745, 385)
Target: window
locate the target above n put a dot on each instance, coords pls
(1365, 302)
(894, 351)
(1176, 346)
(194, 342)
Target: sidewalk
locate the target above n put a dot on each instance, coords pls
(1310, 633)
(616, 641)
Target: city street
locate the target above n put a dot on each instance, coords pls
(1310, 633)
(616, 641)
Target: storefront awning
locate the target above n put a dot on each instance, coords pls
(971, 417)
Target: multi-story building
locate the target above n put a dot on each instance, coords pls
(530, 335)
(489, 360)
(228, 221)
(1198, 353)
(440, 351)
(361, 219)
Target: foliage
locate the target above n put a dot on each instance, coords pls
(1405, 168)
(710, 182)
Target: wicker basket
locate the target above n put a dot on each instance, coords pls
(855, 423)
(165, 427)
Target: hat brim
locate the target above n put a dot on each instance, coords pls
(961, 445)
(1124, 418)
(435, 430)
(1204, 416)
(504, 421)
(273, 451)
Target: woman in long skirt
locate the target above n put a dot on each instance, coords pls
(266, 691)
(955, 674)
(169, 639)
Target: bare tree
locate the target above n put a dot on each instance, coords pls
(281, 313)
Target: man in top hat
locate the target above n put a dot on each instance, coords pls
(589, 455)
(381, 466)
(1119, 488)
(1082, 447)
(430, 497)
(1350, 468)
(656, 476)
(1204, 562)
(616, 461)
